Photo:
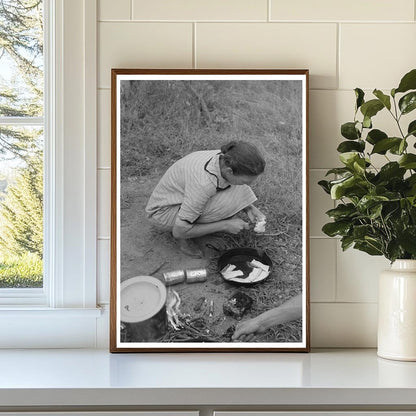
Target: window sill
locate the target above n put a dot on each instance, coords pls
(35, 311)
(37, 327)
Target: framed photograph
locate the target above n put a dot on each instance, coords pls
(209, 213)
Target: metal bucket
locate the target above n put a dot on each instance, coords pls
(143, 308)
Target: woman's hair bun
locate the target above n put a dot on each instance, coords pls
(227, 147)
(243, 158)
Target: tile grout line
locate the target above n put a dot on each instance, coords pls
(338, 63)
(194, 62)
(131, 9)
(308, 22)
(269, 11)
(345, 302)
(336, 271)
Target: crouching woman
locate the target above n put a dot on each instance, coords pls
(201, 193)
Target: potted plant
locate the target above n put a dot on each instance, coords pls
(376, 206)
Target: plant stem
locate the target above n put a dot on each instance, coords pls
(397, 118)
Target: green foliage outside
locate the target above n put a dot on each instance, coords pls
(376, 212)
(21, 147)
(21, 213)
(21, 271)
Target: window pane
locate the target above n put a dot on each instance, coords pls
(21, 145)
(21, 58)
(21, 207)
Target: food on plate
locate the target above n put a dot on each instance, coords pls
(259, 271)
(230, 273)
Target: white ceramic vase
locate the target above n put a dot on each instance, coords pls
(397, 312)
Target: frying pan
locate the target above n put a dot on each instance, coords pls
(240, 257)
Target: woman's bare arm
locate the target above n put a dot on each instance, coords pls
(183, 230)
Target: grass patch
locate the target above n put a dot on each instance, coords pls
(25, 271)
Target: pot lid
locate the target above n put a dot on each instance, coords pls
(141, 297)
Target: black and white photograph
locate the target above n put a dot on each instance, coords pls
(209, 220)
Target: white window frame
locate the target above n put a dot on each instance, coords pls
(64, 313)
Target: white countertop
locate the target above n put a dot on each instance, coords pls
(96, 377)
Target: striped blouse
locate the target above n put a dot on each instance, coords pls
(190, 182)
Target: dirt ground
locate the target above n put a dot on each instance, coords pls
(148, 251)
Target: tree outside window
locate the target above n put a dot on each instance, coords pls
(21, 143)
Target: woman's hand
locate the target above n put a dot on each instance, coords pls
(248, 330)
(254, 214)
(236, 225)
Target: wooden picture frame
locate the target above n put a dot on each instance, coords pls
(163, 297)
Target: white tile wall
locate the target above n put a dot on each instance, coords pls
(103, 271)
(345, 44)
(114, 10)
(104, 128)
(200, 10)
(357, 10)
(323, 269)
(271, 45)
(337, 325)
(387, 55)
(328, 110)
(142, 45)
(357, 275)
(104, 202)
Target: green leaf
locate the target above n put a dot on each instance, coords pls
(408, 161)
(391, 170)
(359, 165)
(371, 108)
(342, 211)
(385, 99)
(407, 239)
(336, 228)
(368, 248)
(374, 136)
(383, 145)
(325, 186)
(346, 242)
(348, 158)
(408, 102)
(349, 146)
(349, 131)
(402, 147)
(411, 183)
(375, 211)
(408, 82)
(338, 189)
(368, 201)
(350, 187)
(361, 231)
(367, 122)
(338, 171)
(393, 250)
(359, 95)
(411, 130)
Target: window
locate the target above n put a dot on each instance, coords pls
(22, 132)
(63, 312)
